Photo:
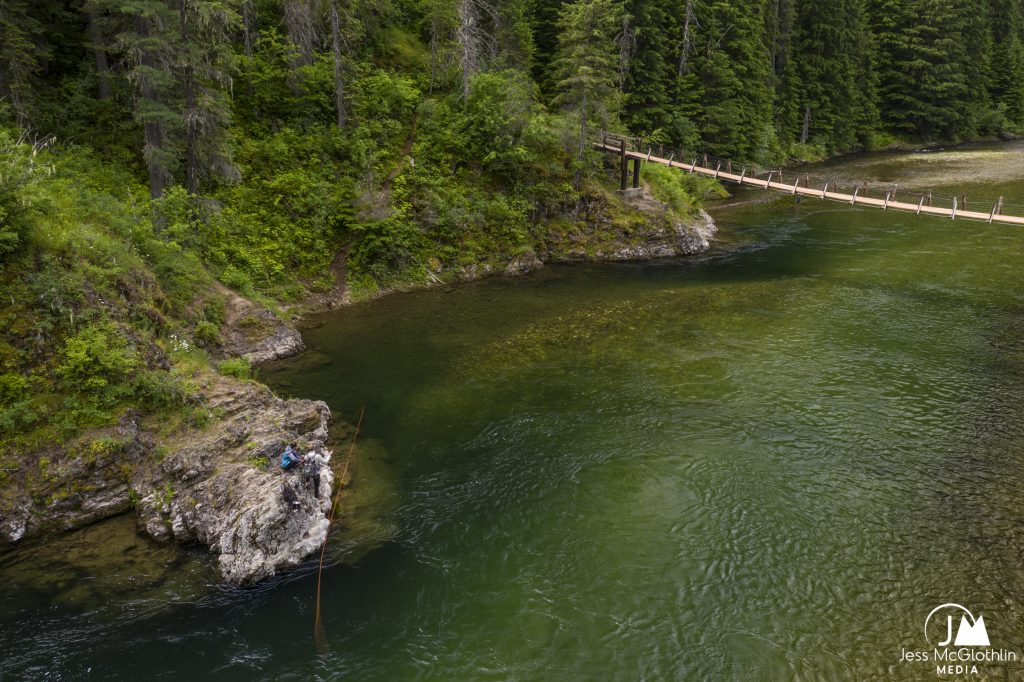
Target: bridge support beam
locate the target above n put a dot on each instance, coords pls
(623, 165)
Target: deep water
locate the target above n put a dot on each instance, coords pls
(766, 463)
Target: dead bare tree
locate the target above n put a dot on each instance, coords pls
(473, 38)
(627, 48)
(301, 18)
(690, 26)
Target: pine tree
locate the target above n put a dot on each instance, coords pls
(835, 94)
(148, 37)
(736, 80)
(923, 74)
(1007, 74)
(586, 67)
(22, 51)
(204, 61)
(651, 69)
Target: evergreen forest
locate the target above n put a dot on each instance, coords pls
(155, 154)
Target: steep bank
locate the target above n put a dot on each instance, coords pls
(125, 363)
(604, 226)
(218, 485)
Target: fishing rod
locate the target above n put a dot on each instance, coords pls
(319, 635)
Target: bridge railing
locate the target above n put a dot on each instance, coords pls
(833, 183)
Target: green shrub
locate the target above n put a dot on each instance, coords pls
(234, 278)
(235, 367)
(96, 358)
(207, 334)
(12, 388)
(162, 389)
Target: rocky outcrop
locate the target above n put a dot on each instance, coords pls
(224, 488)
(77, 484)
(643, 229)
(220, 486)
(253, 332)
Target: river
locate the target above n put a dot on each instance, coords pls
(769, 462)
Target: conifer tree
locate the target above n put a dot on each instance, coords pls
(22, 51)
(586, 66)
(737, 117)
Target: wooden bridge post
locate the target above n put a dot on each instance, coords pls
(999, 206)
(743, 174)
(929, 198)
(796, 183)
(953, 214)
(636, 172)
(623, 166)
(768, 185)
(886, 204)
(964, 203)
(993, 213)
(729, 167)
(706, 161)
(671, 156)
(718, 169)
(920, 204)
(855, 191)
(694, 164)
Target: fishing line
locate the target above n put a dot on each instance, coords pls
(319, 635)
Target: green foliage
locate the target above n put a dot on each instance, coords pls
(682, 192)
(207, 334)
(585, 68)
(235, 367)
(96, 359)
(21, 170)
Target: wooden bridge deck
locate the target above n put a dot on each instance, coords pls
(820, 193)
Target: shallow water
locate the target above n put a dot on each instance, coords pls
(767, 463)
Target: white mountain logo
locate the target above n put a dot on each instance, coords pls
(971, 632)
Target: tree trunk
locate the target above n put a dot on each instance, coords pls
(248, 26)
(684, 53)
(433, 53)
(191, 115)
(339, 83)
(99, 54)
(805, 131)
(581, 149)
(152, 131)
(302, 31)
(468, 43)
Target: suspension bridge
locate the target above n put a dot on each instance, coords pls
(632, 151)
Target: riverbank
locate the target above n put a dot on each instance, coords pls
(206, 472)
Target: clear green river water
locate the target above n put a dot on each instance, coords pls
(769, 462)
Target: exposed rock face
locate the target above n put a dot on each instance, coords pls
(225, 489)
(256, 334)
(221, 486)
(648, 232)
(523, 264)
(85, 481)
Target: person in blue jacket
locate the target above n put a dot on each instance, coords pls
(290, 457)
